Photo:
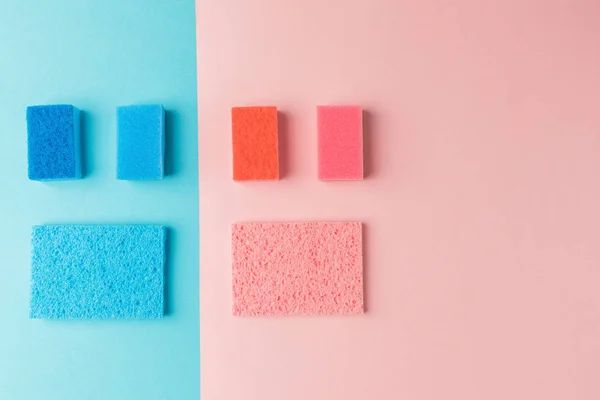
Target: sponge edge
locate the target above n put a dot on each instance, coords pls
(340, 148)
(94, 271)
(303, 268)
(54, 142)
(141, 142)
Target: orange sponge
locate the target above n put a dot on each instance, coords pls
(255, 144)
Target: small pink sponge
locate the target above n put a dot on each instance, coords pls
(304, 268)
(340, 142)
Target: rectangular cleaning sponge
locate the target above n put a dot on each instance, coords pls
(141, 142)
(255, 143)
(340, 148)
(306, 268)
(53, 142)
(95, 271)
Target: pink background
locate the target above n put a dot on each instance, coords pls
(481, 203)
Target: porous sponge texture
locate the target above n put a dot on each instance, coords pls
(303, 268)
(141, 142)
(94, 271)
(255, 143)
(53, 142)
(340, 148)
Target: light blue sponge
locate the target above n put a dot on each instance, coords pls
(141, 142)
(96, 271)
(53, 142)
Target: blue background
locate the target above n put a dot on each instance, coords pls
(96, 55)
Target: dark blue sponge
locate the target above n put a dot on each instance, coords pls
(141, 142)
(53, 142)
(95, 271)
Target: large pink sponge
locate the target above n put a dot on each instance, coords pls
(340, 146)
(305, 268)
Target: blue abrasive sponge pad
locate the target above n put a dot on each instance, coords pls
(97, 271)
(53, 142)
(141, 142)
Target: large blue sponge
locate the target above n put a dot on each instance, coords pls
(141, 142)
(96, 271)
(53, 142)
